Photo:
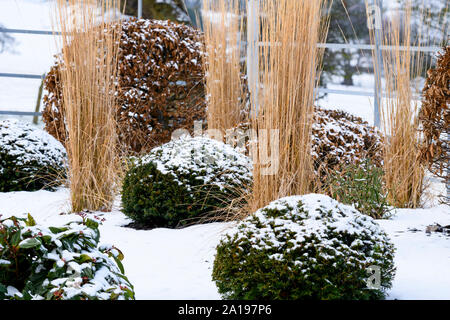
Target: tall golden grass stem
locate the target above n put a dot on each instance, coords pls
(224, 88)
(89, 54)
(403, 170)
(288, 72)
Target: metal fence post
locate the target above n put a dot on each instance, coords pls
(253, 53)
(139, 9)
(377, 61)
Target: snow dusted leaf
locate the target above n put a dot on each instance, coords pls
(29, 243)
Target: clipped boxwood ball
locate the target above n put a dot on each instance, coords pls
(30, 158)
(303, 247)
(183, 181)
(160, 83)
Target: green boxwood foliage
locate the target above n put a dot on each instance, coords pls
(183, 181)
(30, 158)
(303, 247)
(57, 263)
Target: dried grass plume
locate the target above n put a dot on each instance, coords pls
(89, 51)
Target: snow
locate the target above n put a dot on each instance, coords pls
(177, 264)
(422, 260)
(4, 262)
(160, 263)
(212, 161)
(359, 106)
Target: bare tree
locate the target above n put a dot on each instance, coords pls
(6, 41)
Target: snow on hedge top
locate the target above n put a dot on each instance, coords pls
(318, 221)
(28, 144)
(209, 160)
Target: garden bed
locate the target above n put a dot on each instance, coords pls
(171, 264)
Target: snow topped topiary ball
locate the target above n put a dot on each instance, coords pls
(183, 181)
(30, 158)
(304, 247)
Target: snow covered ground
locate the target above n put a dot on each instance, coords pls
(161, 263)
(177, 264)
(422, 260)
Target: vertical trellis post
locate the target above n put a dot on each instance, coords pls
(194, 11)
(139, 9)
(252, 53)
(377, 8)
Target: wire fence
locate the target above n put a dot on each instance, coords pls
(377, 94)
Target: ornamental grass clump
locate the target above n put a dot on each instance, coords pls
(304, 247)
(89, 53)
(403, 166)
(403, 169)
(287, 70)
(30, 158)
(223, 80)
(187, 180)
